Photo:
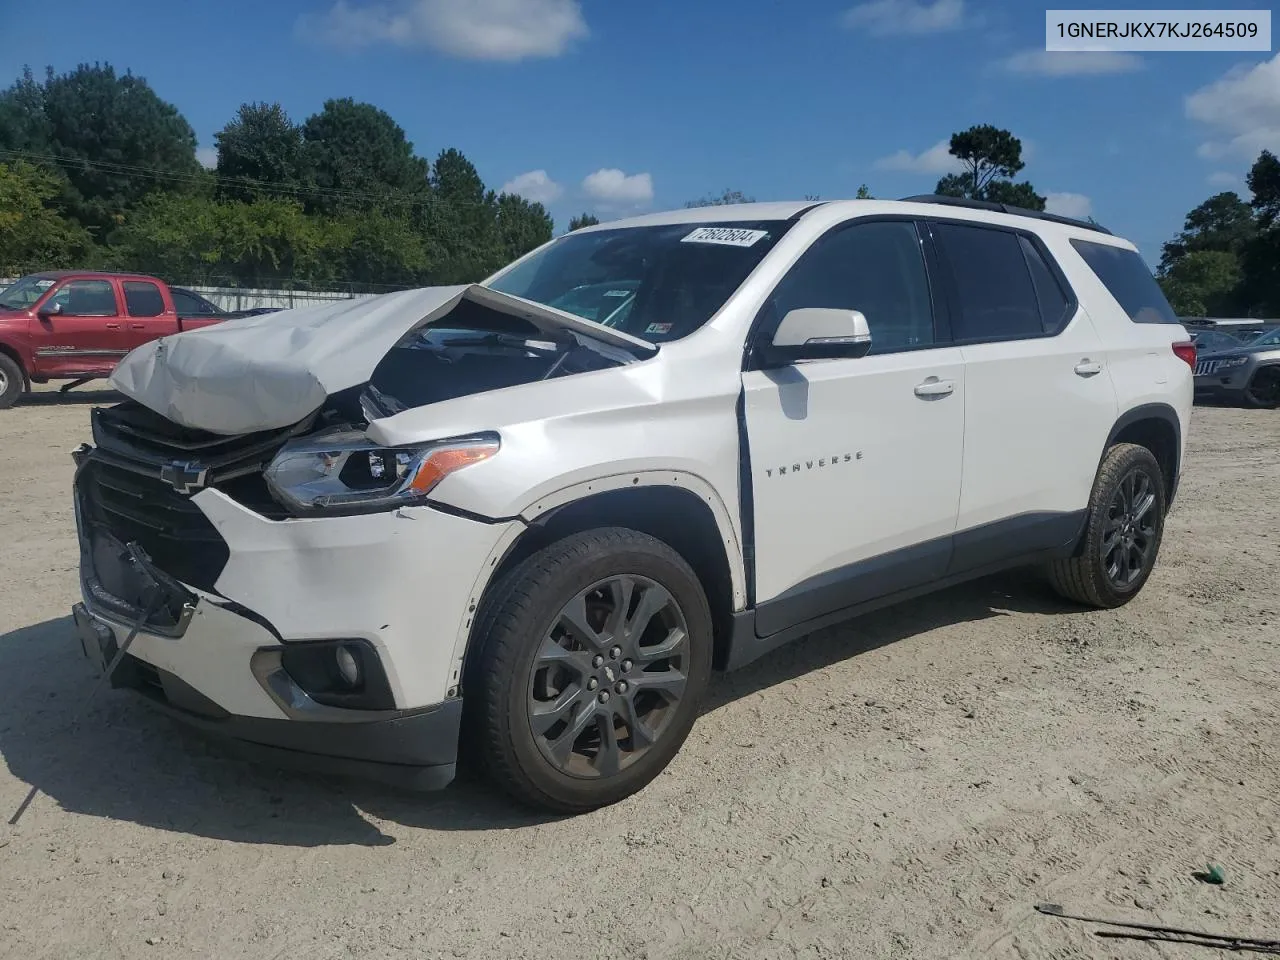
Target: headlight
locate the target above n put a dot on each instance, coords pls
(1232, 362)
(342, 472)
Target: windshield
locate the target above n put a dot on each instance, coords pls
(658, 283)
(23, 293)
(1270, 338)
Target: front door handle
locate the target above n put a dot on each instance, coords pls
(1088, 368)
(933, 387)
(113, 326)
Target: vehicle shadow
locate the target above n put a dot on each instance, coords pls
(124, 761)
(56, 398)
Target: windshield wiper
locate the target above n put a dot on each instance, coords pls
(506, 340)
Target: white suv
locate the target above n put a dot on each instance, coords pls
(531, 515)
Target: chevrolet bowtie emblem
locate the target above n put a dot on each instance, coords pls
(184, 476)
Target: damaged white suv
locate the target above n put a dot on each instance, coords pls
(530, 516)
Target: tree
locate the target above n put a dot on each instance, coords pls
(359, 157)
(1261, 256)
(1203, 283)
(582, 220)
(114, 138)
(991, 158)
(522, 226)
(462, 221)
(33, 235)
(725, 198)
(261, 144)
(863, 193)
(1222, 223)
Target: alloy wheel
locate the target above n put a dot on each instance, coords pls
(608, 676)
(1129, 533)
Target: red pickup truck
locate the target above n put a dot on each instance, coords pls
(77, 325)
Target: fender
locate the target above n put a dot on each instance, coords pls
(20, 351)
(547, 504)
(1151, 411)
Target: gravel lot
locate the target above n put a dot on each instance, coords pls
(906, 786)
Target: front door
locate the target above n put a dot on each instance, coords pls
(855, 464)
(79, 330)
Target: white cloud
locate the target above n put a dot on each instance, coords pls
(1224, 178)
(506, 30)
(882, 18)
(535, 186)
(937, 159)
(1243, 110)
(1045, 63)
(1075, 205)
(208, 157)
(613, 189)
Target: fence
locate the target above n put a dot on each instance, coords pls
(245, 298)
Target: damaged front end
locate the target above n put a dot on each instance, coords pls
(190, 426)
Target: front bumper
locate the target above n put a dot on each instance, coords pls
(415, 749)
(1234, 380)
(404, 583)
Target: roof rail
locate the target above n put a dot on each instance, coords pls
(1005, 208)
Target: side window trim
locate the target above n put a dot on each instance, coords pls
(938, 302)
(1055, 270)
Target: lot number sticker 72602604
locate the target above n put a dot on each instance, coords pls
(728, 236)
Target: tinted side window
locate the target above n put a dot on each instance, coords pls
(143, 299)
(876, 268)
(993, 283)
(1053, 302)
(86, 298)
(187, 304)
(1127, 278)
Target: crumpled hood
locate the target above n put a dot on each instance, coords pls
(270, 371)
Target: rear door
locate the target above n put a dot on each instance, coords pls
(79, 330)
(855, 463)
(1039, 400)
(149, 315)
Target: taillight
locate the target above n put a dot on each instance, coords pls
(1186, 351)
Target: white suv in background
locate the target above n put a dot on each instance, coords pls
(359, 535)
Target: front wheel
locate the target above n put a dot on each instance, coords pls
(593, 655)
(12, 382)
(1123, 533)
(1263, 392)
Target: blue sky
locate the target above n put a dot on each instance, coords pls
(614, 107)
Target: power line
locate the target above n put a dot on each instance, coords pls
(108, 166)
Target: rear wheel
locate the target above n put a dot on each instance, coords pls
(1123, 534)
(594, 655)
(1264, 389)
(12, 382)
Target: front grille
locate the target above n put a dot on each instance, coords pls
(1206, 367)
(133, 507)
(125, 500)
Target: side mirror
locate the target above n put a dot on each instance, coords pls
(818, 333)
(51, 310)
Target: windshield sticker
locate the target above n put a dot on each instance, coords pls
(658, 328)
(44, 284)
(618, 293)
(727, 236)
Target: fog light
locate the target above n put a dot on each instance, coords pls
(348, 666)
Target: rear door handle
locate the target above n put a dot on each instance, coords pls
(138, 326)
(1088, 368)
(933, 387)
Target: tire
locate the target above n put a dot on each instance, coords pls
(536, 683)
(1263, 392)
(1094, 577)
(12, 381)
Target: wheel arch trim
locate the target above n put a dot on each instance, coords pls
(1151, 411)
(546, 506)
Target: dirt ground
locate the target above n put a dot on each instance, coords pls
(905, 786)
